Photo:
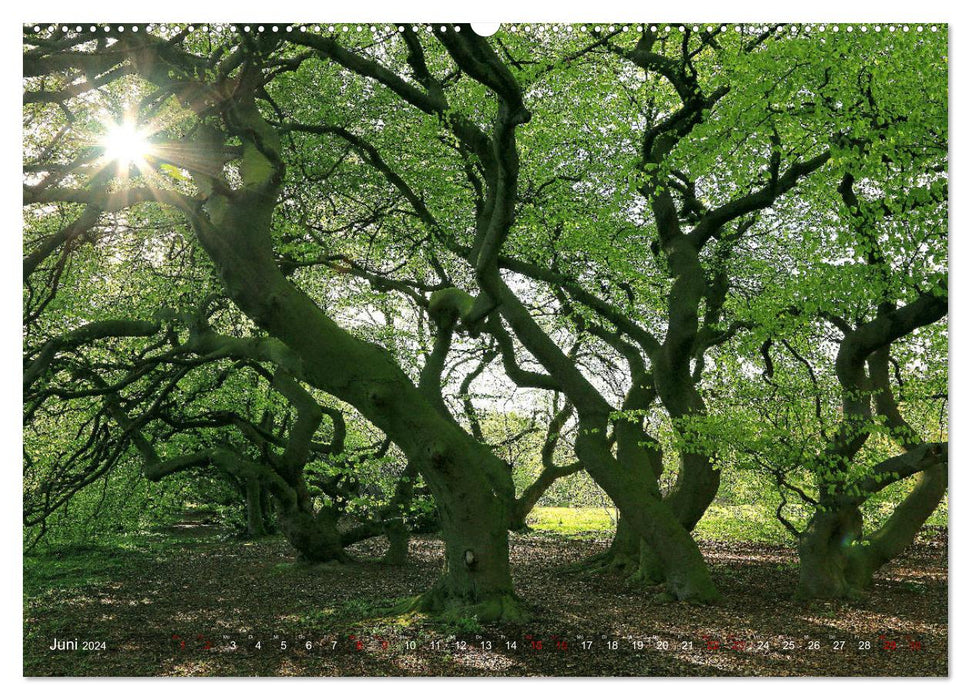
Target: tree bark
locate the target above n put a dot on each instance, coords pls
(476, 580)
(469, 483)
(255, 520)
(396, 531)
(625, 549)
(902, 527)
(314, 536)
(836, 562)
(686, 575)
(825, 551)
(398, 539)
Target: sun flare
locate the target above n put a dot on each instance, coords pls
(126, 144)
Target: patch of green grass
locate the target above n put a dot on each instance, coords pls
(67, 572)
(355, 610)
(740, 523)
(461, 625)
(71, 565)
(572, 522)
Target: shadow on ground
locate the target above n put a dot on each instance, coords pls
(192, 602)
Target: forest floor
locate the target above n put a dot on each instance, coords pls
(192, 601)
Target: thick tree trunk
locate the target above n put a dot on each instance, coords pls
(834, 562)
(476, 580)
(622, 556)
(625, 549)
(396, 531)
(686, 575)
(697, 482)
(642, 457)
(255, 519)
(316, 538)
(694, 490)
(398, 538)
(825, 551)
(689, 500)
(631, 555)
(650, 569)
(266, 508)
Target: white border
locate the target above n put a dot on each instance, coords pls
(492, 11)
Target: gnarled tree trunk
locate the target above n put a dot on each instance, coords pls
(835, 561)
(825, 551)
(686, 576)
(314, 536)
(476, 580)
(469, 483)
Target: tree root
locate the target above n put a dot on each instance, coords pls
(505, 607)
(601, 563)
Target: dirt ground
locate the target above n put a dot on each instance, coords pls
(207, 605)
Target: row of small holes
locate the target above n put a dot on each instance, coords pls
(526, 28)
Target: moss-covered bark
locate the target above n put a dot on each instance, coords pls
(686, 576)
(476, 579)
(255, 517)
(314, 536)
(825, 551)
(837, 561)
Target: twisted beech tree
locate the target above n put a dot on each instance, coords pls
(852, 344)
(591, 209)
(904, 297)
(231, 214)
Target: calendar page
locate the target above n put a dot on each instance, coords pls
(522, 349)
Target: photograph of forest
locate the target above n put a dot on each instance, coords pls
(414, 349)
